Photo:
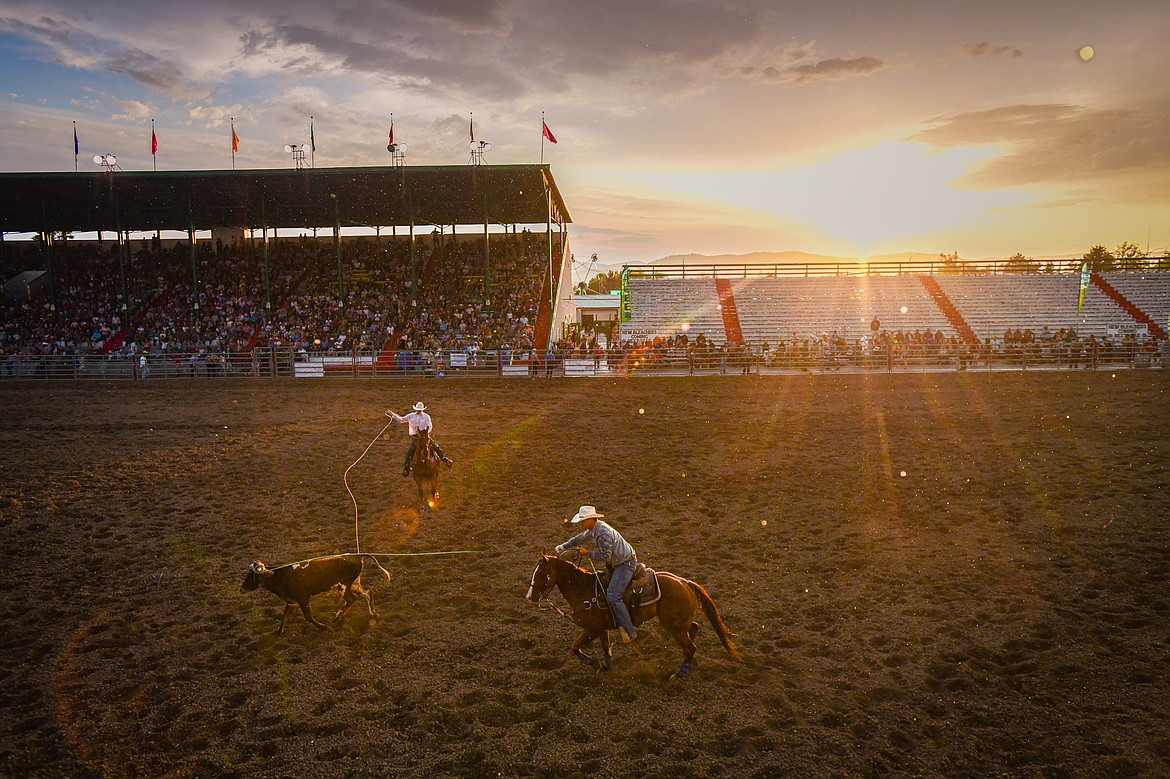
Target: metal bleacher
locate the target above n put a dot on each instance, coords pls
(993, 303)
(775, 308)
(662, 307)
(775, 303)
(1149, 291)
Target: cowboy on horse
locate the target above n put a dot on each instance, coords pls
(617, 553)
(417, 420)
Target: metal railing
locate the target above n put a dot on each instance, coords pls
(277, 364)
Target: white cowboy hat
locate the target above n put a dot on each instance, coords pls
(586, 512)
(420, 406)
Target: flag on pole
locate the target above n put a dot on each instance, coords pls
(235, 140)
(76, 147)
(548, 133)
(1084, 285)
(471, 129)
(391, 133)
(153, 142)
(312, 138)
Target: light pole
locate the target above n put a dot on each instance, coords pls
(397, 153)
(297, 150)
(477, 150)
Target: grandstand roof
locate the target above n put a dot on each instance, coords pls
(309, 197)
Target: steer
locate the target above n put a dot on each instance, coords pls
(295, 583)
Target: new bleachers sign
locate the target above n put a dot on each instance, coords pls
(1122, 330)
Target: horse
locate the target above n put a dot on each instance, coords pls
(675, 610)
(424, 467)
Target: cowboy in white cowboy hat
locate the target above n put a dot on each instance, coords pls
(616, 552)
(417, 420)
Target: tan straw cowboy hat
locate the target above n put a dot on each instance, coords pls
(585, 512)
(420, 406)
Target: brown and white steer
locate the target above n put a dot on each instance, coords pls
(297, 582)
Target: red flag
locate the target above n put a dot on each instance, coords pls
(235, 140)
(391, 133)
(153, 142)
(548, 133)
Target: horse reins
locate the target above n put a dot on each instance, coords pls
(588, 604)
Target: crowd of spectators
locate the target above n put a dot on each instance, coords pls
(234, 298)
(230, 299)
(1060, 348)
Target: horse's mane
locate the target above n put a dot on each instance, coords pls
(570, 564)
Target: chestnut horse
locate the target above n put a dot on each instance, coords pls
(681, 599)
(424, 467)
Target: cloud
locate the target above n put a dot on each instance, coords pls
(836, 69)
(132, 110)
(985, 49)
(149, 70)
(211, 116)
(1062, 143)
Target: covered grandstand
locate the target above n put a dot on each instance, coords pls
(457, 228)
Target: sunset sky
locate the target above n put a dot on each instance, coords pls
(838, 128)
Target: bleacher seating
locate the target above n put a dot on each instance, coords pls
(993, 303)
(1149, 291)
(664, 307)
(775, 308)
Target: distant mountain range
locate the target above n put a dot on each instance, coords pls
(786, 258)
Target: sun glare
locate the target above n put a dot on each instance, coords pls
(865, 196)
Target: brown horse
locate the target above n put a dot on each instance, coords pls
(681, 599)
(424, 467)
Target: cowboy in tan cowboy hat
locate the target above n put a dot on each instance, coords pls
(417, 419)
(616, 552)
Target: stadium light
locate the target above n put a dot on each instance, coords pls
(297, 150)
(398, 152)
(107, 161)
(477, 150)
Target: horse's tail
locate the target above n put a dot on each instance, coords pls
(374, 560)
(716, 621)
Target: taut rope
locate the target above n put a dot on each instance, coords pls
(377, 555)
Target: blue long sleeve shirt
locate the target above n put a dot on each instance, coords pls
(609, 546)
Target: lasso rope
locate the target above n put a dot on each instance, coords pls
(345, 478)
(377, 555)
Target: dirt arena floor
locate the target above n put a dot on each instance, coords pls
(937, 575)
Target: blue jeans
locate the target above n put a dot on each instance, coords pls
(617, 587)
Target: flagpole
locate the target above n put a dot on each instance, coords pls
(75, 147)
(542, 137)
(312, 145)
(153, 150)
(233, 121)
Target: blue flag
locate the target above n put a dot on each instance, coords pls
(76, 148)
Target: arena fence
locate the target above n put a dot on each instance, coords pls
(277, 364)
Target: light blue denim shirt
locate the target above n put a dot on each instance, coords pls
(609, 546)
